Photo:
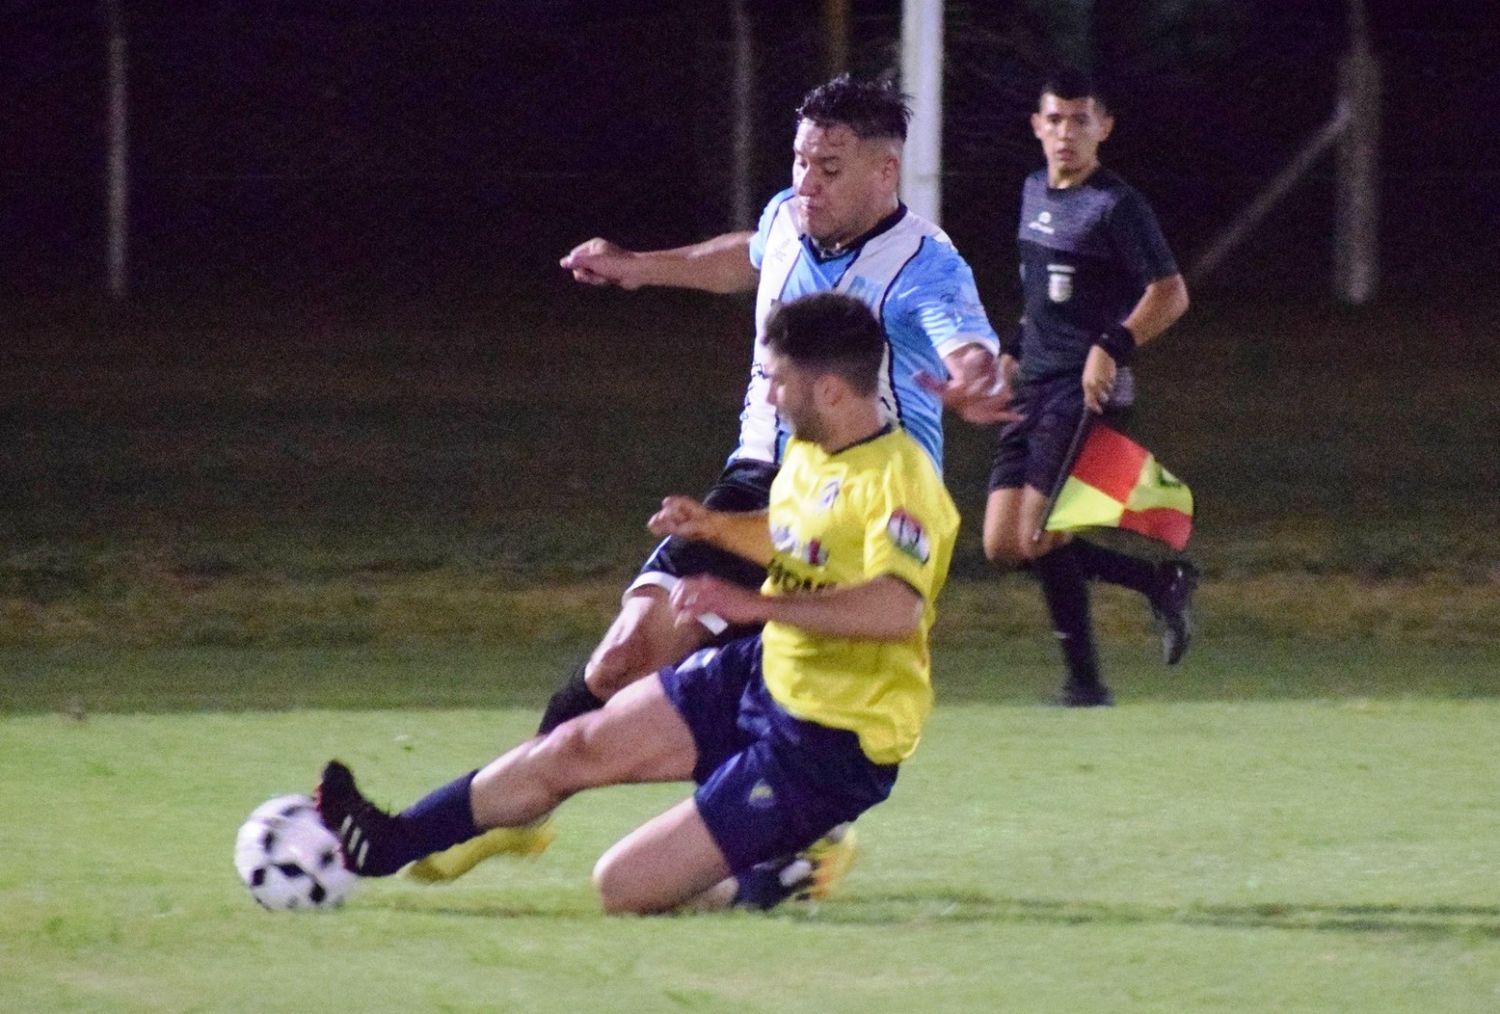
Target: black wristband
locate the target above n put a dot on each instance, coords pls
(1119, 343)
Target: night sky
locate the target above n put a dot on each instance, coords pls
(413, 149)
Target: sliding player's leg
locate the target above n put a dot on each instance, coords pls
(639, 737)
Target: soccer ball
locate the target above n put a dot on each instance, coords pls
(288, 859)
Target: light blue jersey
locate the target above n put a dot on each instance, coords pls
(920, 289)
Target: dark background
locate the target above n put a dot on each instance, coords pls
(354, 159)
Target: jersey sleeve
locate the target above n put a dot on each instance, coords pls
(1138, 240)
(937, 294)
(763, 228)
(905, 535)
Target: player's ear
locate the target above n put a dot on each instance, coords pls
(890, 164)
(1106, 125)
(828, 390)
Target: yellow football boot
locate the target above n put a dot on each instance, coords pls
(452, 863)
(829, 859)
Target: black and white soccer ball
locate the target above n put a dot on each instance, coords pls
(289, 860)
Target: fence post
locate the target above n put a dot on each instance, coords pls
(1356, 257)
(117, 158)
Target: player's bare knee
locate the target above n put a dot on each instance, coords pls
(619, 890)
(998, 549)
(1004, 548)
(617, 664)
(627, 650)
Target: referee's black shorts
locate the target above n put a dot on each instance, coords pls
(1034, 451)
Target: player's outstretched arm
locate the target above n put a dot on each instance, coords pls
(975, 388)
(883, 609)
(744, 533)
(721, 264)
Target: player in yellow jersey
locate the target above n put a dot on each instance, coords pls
(790, 733)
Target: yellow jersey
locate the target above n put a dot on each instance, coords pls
(874, 509)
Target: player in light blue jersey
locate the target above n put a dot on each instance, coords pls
(839, 227)
(907, 271)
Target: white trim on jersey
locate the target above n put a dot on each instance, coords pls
(876, 266)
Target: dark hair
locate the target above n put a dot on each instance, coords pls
(1072, 83)
(829, 332)
(871, 109)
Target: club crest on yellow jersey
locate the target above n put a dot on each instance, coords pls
(908, 535)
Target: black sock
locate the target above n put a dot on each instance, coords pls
(1115, 567)
(440, 819)
(572, 699)
(1067, 596)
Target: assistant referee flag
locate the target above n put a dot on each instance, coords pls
(1117, 483)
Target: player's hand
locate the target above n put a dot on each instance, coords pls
(1098, 379)
(975, 389)
(684, 517)
(695, 596)
(600, 262)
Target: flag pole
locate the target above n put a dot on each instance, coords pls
(1062, 476)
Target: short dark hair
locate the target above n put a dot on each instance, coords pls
(829, 332)
(872, 109)
(1072, 83)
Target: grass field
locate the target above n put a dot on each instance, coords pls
(1258, 855)
(232, 549)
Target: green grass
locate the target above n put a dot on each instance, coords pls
(232, 548)
(967, 670)
(210, 485)
(1260, 855)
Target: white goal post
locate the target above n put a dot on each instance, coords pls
(922, 79)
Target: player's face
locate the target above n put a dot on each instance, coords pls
(844, 185)
(1071, 131)
(791, 392)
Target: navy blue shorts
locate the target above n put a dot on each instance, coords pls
(769, 784)
(1034, 451)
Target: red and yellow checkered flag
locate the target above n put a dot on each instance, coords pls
(1117, 483)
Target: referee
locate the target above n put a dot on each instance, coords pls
(1098, 280)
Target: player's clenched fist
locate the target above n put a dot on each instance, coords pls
(1098, 379)
(696, 596)
(600, 262)
(683, 517)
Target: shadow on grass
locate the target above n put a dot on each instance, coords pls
(937, 907)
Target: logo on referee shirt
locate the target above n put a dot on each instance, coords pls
(1060, 282)
(908, 535)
